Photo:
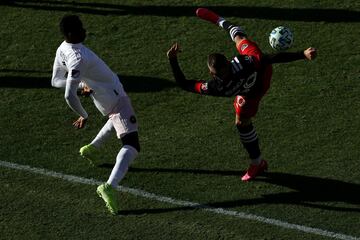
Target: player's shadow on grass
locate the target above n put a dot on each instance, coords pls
(24, 82)
(145, 84)
(312, 192)
(288, 14)
(176, 170)
(130, 83)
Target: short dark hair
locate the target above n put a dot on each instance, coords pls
(217, 61)
(70, 24)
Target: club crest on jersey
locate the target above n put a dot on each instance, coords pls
(75, 73)
(243, 47)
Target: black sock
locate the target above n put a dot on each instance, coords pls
(250, 141)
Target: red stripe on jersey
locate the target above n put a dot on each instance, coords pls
(249, 48)
(198, 86)
(239, 102)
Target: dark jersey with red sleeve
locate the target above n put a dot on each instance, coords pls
(251, 73)
(244, 79)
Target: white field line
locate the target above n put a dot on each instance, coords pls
(159, 198)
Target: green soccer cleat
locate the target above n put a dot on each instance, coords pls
(108, 194)
(90, 153)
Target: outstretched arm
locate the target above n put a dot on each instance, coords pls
(283, 57)
(188, 85)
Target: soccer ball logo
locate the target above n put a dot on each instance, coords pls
(281, 38)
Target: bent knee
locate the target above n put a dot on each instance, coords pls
(131, 139)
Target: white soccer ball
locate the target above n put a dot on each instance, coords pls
(281, 38)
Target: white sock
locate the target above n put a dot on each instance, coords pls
(103, 135)
(123, 160)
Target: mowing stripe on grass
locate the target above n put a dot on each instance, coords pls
(144, 194)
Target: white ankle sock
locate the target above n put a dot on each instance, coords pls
(123, 160)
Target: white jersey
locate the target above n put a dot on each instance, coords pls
(75, 63)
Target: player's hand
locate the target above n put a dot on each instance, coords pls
(173, 51)
(80, 123)
(310, 53)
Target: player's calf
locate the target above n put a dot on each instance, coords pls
(250, 141)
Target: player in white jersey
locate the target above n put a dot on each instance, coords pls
(83, 65)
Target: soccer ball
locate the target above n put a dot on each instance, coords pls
(281, 38)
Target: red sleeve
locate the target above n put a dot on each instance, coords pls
(201, 87)
(250, 48)
(197, 87)
(239, 101)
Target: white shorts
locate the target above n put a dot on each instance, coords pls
(123, 118)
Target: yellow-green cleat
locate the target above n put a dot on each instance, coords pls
(108, 194)
(90, 153)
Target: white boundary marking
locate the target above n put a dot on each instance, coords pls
(144, 194)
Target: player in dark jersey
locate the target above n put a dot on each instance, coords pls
(245, 77)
